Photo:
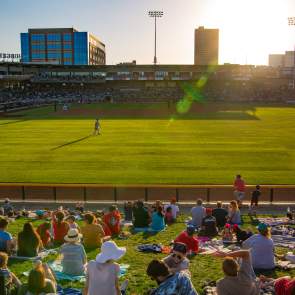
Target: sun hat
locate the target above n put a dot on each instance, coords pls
(262, 226)
(73, 235)
(110, 251)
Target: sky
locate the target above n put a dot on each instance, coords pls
(249, 29)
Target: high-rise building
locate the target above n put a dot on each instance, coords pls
(289, 60)
(276, 60)
(206, 46)
(64, 46)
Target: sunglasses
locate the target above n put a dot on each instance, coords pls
(176, 256)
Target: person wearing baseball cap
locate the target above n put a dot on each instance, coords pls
(209, 226)
(188, 238)
(262, 249)
(102, 273)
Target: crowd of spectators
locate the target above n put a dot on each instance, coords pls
(60, 229)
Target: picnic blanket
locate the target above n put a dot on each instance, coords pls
(284, 241)
(68, 291)
(285, 265)
(56, 267)
(283, 230)
(214, 245)
(154, 248)
(273, 221)
(41, 255)
(145, 230)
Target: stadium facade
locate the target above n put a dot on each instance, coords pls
(65, 46)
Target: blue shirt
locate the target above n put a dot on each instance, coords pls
(4, 237)
(178, 284)
(158, 222)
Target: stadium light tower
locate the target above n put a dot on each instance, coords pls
(291, 22)
(155, 14)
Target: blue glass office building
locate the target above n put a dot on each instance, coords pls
(64, 46)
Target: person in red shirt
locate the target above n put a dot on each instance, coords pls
(112, 220)
(60, 227)
(44, 232)
(187, 237)
(239, 187)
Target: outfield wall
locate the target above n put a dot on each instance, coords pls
(120, 193)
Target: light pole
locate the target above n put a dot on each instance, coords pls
(155, 14)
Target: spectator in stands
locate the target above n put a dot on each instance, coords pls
(241, 235)
(255, 196)
(6, 241)
(187, 237)
(128, 208)
(198, 213)
(140, 215)
(29, 242)
(239, 189)
(92, 232)
(102, 273)
(174, 208)
(168, 283)
(60, 227)
(177, 260)
(71, 220)
(44, 232)
(234, 215)
(8, 208)
(73, 254)
(262, 249)
(113, 219)
(220, 214)
(239, 279)
(209, 227)
(11, 282)
(158, 221)
(40, 281)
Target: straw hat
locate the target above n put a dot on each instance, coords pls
(110, 251)
(73, 235)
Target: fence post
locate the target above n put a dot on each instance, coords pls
(208, 195)
(54, 194)
(271, 195)
(85, 194)
(146, 194)
(115, 194)
(23, 193)
(177, 195)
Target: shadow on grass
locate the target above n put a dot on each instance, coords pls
(71, 142)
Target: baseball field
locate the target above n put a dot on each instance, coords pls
(205, 143)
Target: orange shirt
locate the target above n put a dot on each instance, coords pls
(92, 235)
(112, 220)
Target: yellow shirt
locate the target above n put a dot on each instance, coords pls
(92, 235)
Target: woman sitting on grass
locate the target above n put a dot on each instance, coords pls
(113, 219)
(92, 232)
(28, 241)
(60, 227)
(40, 281)
(73, 254)
(102, 273)
(158, 221)
(11, 282)
(44, 232)
(140, 215)
(234, 215)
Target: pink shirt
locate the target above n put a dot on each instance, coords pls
(240, 185)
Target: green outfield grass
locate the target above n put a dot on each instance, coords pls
(206, 147)
(202, 267)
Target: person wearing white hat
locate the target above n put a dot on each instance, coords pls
(73, 254)
(102, 273)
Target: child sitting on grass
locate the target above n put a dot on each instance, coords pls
(10, 280)
(71, 220)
